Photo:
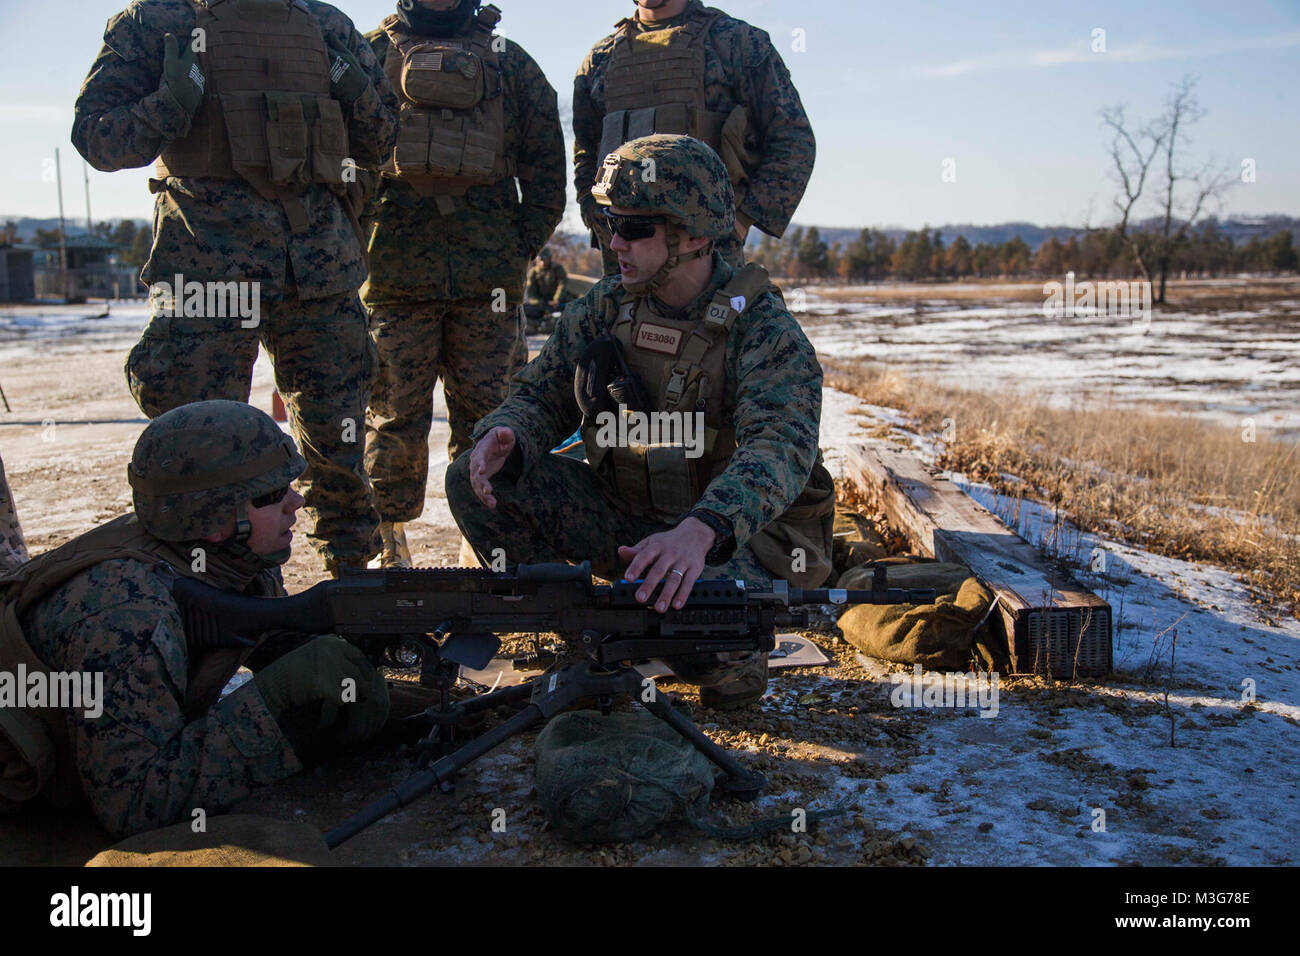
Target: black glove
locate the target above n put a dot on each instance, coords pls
(323, 695)
(181, 74)
(347, 79)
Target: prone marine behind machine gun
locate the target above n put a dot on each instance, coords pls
(440, 619)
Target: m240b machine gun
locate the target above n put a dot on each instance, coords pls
(441, 619)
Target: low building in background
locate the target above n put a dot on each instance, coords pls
(17, 275)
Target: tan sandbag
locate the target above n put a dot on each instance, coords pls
(937, 636)
(807, 526)
(238, 839)
(856, 542)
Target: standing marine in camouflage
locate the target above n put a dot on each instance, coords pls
(257, 112)
(13, 549)
(153, 739)
(452, 236)
(678, 331)
(678, 66)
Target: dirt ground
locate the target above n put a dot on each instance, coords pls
(918, 786)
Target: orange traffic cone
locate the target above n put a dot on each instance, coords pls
(277, 408)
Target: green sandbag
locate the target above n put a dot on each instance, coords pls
(603, 779)
(937, 636)
(238, 839)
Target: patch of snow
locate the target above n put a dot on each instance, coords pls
(1227, 789)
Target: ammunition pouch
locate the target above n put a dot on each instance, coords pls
(451, 127)
(622, 126)
(274, 125)
(679, 365)
(655, 84)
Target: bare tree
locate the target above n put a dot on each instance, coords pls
(1185, 196)
(1132, 154)
(1207, 184)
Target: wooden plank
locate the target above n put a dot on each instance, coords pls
(1043, 611)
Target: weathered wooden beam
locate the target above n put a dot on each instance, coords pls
(1050, 623)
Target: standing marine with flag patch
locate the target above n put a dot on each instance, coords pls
(677, 66)
(257, 112)
(678, 332)
(453, 234)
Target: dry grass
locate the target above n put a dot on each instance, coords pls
(1172, 484)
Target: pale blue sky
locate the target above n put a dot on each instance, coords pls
(1009, 90)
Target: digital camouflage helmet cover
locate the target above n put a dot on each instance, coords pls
(197, 465)
(677, 177)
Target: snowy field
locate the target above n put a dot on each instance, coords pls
(27, 329)
(1227, 365)
(1228, 789)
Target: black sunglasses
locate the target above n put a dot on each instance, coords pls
(271, 497)
(632, 228)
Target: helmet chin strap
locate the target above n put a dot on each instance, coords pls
(237, 545)
(674, 234)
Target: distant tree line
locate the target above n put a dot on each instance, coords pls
(922, 254)
(874, 256)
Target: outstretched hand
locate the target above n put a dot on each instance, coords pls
(675, 557)
(487, 458)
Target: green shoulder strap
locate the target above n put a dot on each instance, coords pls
(729, 303)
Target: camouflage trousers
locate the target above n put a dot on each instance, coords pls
(13, 549)
(472, 348)
(323, 365)
(561, 512)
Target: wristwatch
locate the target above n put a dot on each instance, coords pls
(724, 544)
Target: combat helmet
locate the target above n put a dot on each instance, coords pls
(677, 177)
(197, 465)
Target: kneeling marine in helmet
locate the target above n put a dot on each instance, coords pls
(682, 339)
